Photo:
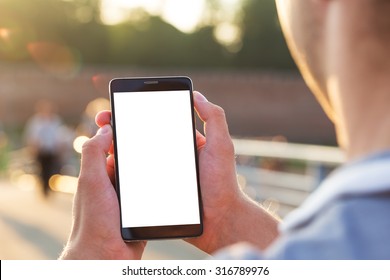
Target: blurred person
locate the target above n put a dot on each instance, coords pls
(44, 137)
(68, 159)
(341, 48)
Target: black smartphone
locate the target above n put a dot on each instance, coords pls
(157, 175)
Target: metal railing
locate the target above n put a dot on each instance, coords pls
(281, 175)
(295, 170)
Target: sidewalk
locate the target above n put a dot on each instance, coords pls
(32, 228)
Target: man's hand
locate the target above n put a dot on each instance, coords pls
(229, 215)
(218, 178)
(96, 225)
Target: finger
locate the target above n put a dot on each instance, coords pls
(111, 161)
(111, 168)
(102, 118)
(216, 128)
(200, 139)
(93, 161)
(137, 246)
(111, 150)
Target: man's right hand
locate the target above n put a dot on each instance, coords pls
(229, 215)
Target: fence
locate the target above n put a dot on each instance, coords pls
(281, 175)
(277, 174)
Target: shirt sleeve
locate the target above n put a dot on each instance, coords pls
(239, 251)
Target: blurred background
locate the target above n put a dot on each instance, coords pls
(56, 58)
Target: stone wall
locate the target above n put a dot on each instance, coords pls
(257, 104)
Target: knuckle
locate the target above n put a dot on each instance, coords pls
(89, 146)
(219, 111)
(229, 146)
(88, 178)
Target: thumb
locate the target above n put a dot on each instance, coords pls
(94, 154)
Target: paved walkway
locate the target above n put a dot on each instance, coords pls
(32, 228)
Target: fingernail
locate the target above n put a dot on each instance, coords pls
(200, 97)
(104, 129)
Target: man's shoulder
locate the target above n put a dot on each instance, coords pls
(352, 227)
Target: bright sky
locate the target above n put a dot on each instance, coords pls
(184, 15)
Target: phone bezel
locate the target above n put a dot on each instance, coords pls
(140, 84)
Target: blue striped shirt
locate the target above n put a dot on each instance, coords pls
(347, 217)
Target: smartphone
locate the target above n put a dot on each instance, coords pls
(157, 175)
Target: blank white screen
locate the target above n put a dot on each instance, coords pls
(155, 149)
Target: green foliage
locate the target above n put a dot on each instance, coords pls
(154, 42)
(143, 40)
(263, 42)
(73, 23)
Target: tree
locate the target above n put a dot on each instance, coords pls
(263, 45)
(142, 40)
(75, 24)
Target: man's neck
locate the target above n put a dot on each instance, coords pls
(358, 86)
(363, 124)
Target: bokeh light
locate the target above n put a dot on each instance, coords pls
(97, 105)
(5, 34)
(15, 34)
(64, 184)
(79, 142)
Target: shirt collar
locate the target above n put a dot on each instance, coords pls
(366, 176)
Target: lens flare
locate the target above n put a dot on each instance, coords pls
(15, 33)
(100, 82)
(12, 44)
(55, 58)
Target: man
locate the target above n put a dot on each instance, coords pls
(341, 48)
(43, 137)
